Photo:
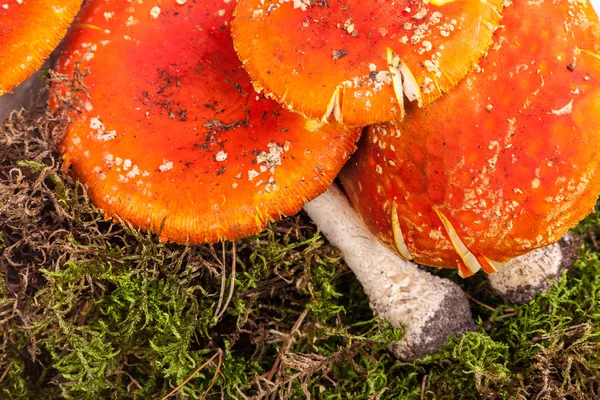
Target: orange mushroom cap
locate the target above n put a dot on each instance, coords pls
(29, 31)
(506, 162)
(174, 132)
(358, 59)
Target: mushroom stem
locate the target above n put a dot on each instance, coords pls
(430, 308)
(23, 95)
(521, 278)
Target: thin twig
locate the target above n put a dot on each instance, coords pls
(6, 371)
(231, 284)
(566, 331)
(512, 314)
(219, 353)
(423, 383)
(223, 281)
(474, 300)
(286, 346)
(214, 379)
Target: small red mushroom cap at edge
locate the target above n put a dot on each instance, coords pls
(506, 162)
(359, 61)
(174, 136)
(29, 31)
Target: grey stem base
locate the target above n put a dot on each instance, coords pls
(430, 308)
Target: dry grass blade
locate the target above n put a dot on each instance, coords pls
(219, 354)
(287, 345)
(223, 280)
(423, 384)
(231, 284)
(6, 371)
(479, 303)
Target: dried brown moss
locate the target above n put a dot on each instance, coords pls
(93, 309)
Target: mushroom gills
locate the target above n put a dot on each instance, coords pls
(472, 261)
(403, 81)
(398, 236)
(333, 107)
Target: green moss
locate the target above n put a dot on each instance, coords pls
(90, 309)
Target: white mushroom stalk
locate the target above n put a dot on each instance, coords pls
(520, 279)
(23, 95)
(430, 308)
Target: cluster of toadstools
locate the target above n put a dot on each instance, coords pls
(203, 120)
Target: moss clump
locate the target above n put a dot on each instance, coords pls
(90, 309)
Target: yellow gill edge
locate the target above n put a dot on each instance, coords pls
(398, 236)
(464, 253)
(412, 89)
(333, 107)
(403, 81)
(440, 3)
(393, 62)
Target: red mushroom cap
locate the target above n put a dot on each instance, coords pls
(506, 162)
(29, 31)
(358, 59)
(173, 131)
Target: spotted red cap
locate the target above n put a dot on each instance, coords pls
(173, 132)
(506, 162)
(359, 59)
(29, 31)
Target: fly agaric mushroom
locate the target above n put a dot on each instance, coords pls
(358, 59)
(173, 136)
(505, 163)
(29, 31)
